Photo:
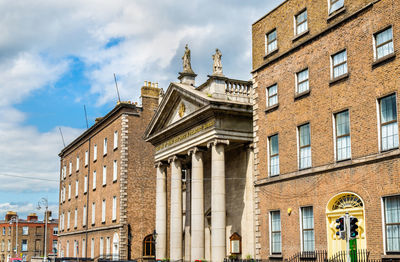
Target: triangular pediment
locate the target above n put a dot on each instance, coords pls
(179, 103)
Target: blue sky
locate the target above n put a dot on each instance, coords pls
(57, 56)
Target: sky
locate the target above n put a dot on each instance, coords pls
(58, 56)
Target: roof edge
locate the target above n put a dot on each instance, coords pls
(270, 12)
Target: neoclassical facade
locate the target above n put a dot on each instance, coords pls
(203, 138)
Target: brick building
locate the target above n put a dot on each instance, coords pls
(326, 80)
(107, 185)
(30, 235)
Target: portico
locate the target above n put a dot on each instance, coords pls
(204, 157)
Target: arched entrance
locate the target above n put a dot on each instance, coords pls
(337, 207)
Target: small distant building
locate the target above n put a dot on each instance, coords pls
(31, 236)
(107, 185)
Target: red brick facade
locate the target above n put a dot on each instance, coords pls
(371, 172)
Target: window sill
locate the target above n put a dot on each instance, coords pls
(85, 193)
(115, 148)
(104, 185)
(339, 79)
(114, 220)
(383, 60)
(336, 13)
(95, 160)
(86, 165)
(297, 37)
(301, 95)
(104, 155)
(305, 168)
(76, 196)
(391, 256)
(271, 108)
(271, 53)
(103, 222)
(75, 227)
(94, 189)
(343, 160)
(390, 149)
(275, 256)
(93, 224)
(115, 181)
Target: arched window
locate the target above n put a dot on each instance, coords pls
(149, 246)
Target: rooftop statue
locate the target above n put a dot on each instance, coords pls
(187, 67)
(217, 67)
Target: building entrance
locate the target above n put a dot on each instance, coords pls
(337, 207)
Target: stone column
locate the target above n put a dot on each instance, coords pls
(176, 226)
(161, 211)
(197, 206)
(218, 208)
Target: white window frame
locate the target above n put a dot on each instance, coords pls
(299, 147)
(95, 152)
(302, 229)
(84, 216)
(93, 213)
(70, 167)
(336, 137)
(380, 122)
(330, 4)
(383, 210)
(105, 146)
(24, 247)
(115, 170)
(270, 156)
(76, 188)
(85, 184)
(296, 25)
(69, 191)
(68, 219)
(75, 245)
(273, 95)
(375, 45)
(92, 249)
(267, 42)
(101, 247)
(114, 208)
(77, 163)
(83, 248)
(94, 180)
(108, 246)
(76, 218)
(270, 231)
(115, 140)
(333, 66)
(104, 175)
(297, 81)
(103, 211)
(86, 158)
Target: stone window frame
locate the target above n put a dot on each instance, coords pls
(336, 136)
(297, 24)
(267, 42)
(270, 156)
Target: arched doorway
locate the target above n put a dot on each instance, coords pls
(337, 207)
(115, 247)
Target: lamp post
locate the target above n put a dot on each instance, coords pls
(44, 202)
(15, 219)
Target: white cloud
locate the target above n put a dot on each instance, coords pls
(23, 209)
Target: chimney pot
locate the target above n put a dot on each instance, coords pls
(145, 83)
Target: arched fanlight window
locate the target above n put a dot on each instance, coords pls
(347, 201)
(149, 246)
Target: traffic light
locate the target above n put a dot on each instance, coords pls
(341, 228)
(353, 227)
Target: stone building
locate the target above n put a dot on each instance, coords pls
(203, 152)
(30, 236)
(326, 81)
(107, 185)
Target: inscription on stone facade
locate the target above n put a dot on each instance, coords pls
(187, 134)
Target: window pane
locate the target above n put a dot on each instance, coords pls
(336, 5)
(340, 57)
(274, 166)
(302, 17)
(305, 157)
(304, 135)
(272, 90)
(392, 207)
(274, 144)
(343, 145)
(276, 221)
(342, 123)
(276, 242)
(272, 46)
(308, 240)
(272, 36)
(308, 218)
(388, 109)
(302, 80)
(384, 36)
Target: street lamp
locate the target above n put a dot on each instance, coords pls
(44, 202)
(15, 219)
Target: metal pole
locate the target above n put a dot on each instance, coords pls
(16, 236)
(347, 228)
(45, 235)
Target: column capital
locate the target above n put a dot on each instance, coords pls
(196, 149)
(214, 142)
(159, 164)
(175, 158)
